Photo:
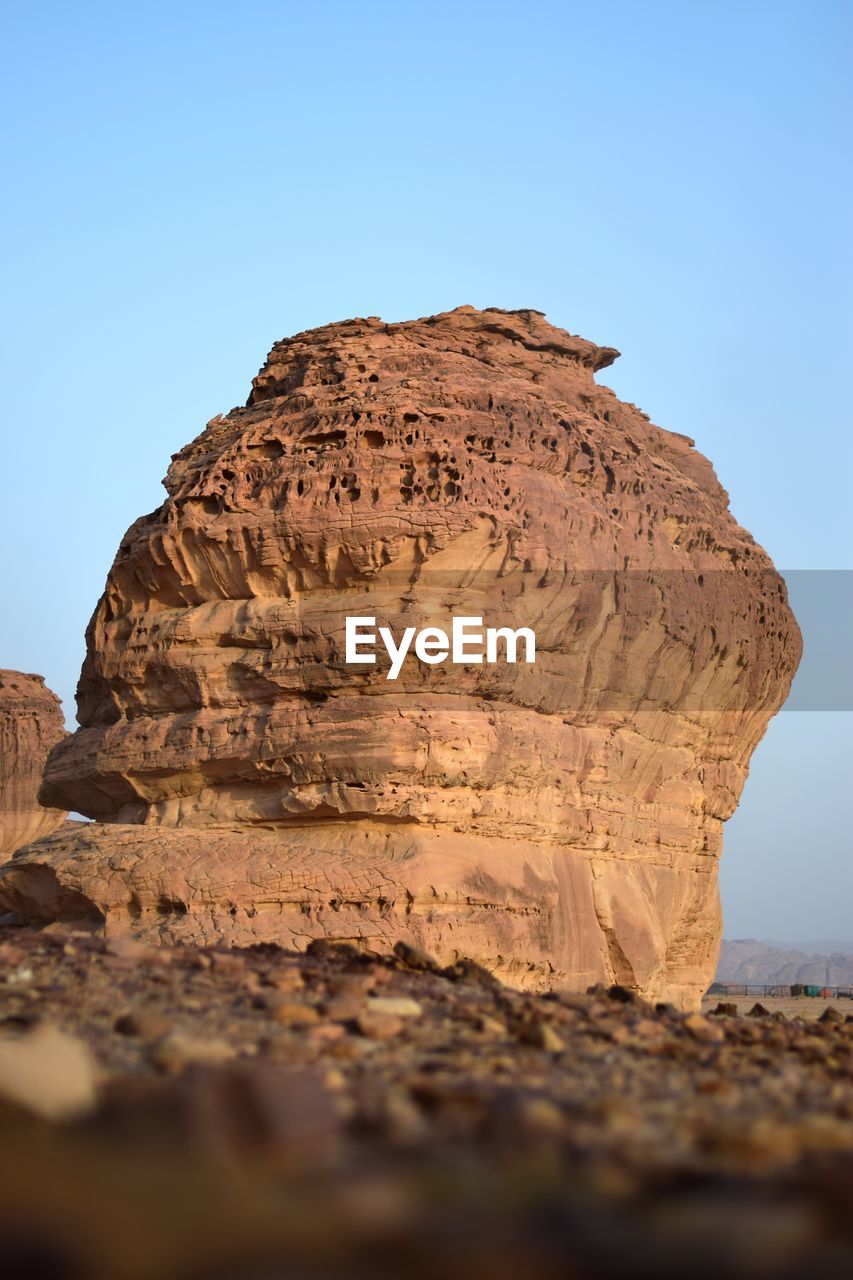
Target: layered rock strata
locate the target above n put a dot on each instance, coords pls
(561, 820)
(30, 724)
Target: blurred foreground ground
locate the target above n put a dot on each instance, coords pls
(183, 1114)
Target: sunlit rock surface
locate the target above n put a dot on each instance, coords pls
(561, 822)
(30, 724)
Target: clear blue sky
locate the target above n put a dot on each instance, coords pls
(187, 182)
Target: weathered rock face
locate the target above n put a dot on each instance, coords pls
(560, 821)
(30, 724)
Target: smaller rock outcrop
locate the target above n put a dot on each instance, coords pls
(31, 724)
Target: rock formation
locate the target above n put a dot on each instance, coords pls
(30, 724)
(561, 822)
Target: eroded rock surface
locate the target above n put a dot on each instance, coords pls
(30, 724)
(564, 820)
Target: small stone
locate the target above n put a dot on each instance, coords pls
(343, 1008)
(146, 1025)
(48, 1072)
(227, 962)
(542, 1115)
(701, 1029)
(332, 948)
(379, 1026)
(542, 1035)
(414, 958)
(379, 974)
(830, 1014)
(725, 1009)
(177, 1051)
(490, 1026)
(351, 985)
(19, 976)
(395, 1006)
(326, 1032)
(290, 1013)
(129, 952)
(284, 979)
(466, 970)
(758, 1011)
(648, 1029)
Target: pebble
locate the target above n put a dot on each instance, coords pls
(287, 979)
(342, 1008)
(146, 1025)
(701, 1029)
(378, 1025)
(396, 1006)
(127, 951)
(290, 1013)
(414, 958)
(177, 1051)
(48, 1072)
(542, 1035)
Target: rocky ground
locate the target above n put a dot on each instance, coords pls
(805, 1008)
(213, 1114)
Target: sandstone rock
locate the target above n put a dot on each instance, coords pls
(30, 724)
(558, 822)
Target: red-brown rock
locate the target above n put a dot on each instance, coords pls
(30, 724)
(560, 822)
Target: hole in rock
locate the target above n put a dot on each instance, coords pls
(268, 448)
(324, 437)
(171, 907)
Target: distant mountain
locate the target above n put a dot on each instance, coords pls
(813, 947)
(752, 960)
